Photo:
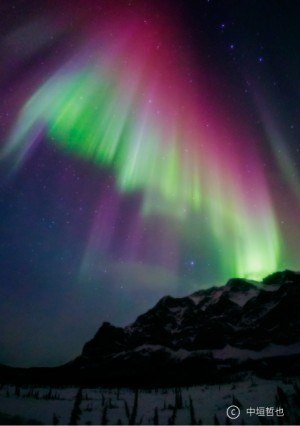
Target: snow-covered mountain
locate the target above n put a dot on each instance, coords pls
(217, 328)
(210, 335)
(240, 314)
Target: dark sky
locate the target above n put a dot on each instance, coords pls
(147, 148)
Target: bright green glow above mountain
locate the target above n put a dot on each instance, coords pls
(110, 108)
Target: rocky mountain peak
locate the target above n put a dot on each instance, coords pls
(242, 319)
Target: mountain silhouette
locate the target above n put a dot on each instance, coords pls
(210, 335)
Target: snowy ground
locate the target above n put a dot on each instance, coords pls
(199, 404)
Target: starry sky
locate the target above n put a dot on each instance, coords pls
(146, 148)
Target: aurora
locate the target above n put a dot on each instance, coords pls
(147, 148)
(122, 104)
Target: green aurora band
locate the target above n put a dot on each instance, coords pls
(114, 108)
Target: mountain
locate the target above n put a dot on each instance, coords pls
(242, 324)
(210, 335)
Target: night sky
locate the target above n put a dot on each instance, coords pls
(146, 148)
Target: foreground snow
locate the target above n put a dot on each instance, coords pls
(206, 403)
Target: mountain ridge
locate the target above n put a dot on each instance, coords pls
(210, 335)
(237, 295)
